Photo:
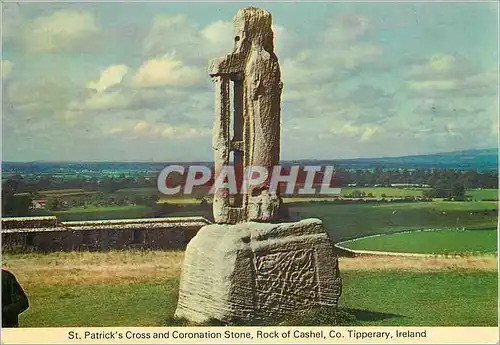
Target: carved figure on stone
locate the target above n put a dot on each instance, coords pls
(251, 75)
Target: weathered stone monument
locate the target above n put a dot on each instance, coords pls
(253, 71)
(249, 267)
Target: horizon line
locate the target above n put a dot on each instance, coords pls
(281, 160)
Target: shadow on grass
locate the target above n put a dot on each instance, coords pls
(366, 315)
(312, 317)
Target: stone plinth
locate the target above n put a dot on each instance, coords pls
(258, 271)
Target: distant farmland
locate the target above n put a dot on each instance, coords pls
(351, 221)
(431, 242)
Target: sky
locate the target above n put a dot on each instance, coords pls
(128, 81)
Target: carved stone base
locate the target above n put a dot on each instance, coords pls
(258, 271)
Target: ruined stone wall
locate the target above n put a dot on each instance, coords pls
(162, 233)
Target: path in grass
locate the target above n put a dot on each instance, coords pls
(430, 242)
(140, 289)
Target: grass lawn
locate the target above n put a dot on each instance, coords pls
(59, 193)
(388, 191)
(139, 190)
(450, 298)
(62, 191)
(178, 200)
(432, 242)
(140, 289)
(345, 222)
(480, 194)
(106, 212)
(100, 209)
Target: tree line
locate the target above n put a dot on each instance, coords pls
(19, 191)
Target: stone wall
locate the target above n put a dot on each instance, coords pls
(47, 234)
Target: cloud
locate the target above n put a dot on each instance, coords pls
(495, 129)
(433, 85)
(438, 65)
(443, 108)
(115, 130)
(39, 97)
(350, 129)
(62, 30)
(167, 71)
(198, 45)
(217, 34)
(6, 67)
(156, 84)
(176, 32)
(338, 50)
(102, 101)
(450, 75)
(111, 76)
(159, 130)
(345, 28)
(144, 128)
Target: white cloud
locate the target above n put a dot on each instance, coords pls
(448, 73)
(144, 128)
(437, 65)
(102, 101)
(192, 43)
(46, 94)
(167, 71)
(7, 67)
(360, 131)
(345, 28)
(495, 128)
(61, 31)
(151, 129)
(369, 132)
(436, 85)
(111, 76)
(115, 130)
(335, 52)
(218, 33)
(183, 132)
(169, 32)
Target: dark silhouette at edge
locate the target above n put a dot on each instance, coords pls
(14, 300)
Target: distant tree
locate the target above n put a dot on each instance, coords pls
(15, 205)
(153, 199)
(54, 204)
(358, 194)
(458, 192)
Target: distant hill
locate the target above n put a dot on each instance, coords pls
(481, 160)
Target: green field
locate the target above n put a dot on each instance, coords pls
(140, 288)
(100, 213)
(345, 222)
(342, 221)
(139, 191)
(388, 191)
(431, 242)
(119, 212)
(480, 194)
(60, 193)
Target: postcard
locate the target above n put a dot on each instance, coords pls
(249, 172)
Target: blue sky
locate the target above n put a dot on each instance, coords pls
(128, 81)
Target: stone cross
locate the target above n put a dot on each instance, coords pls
(251, 134)
(247, 269)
